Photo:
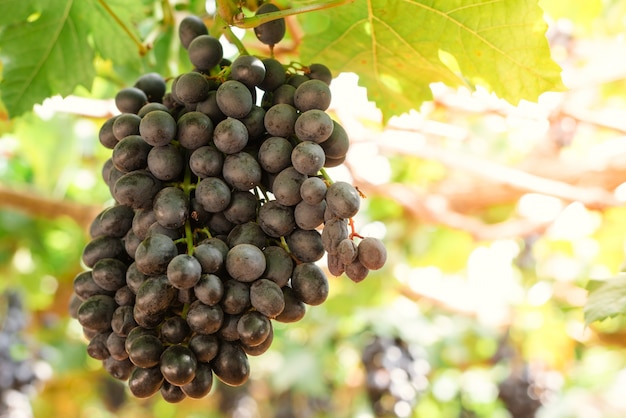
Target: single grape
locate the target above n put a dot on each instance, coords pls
(309, 283)
(231, 364)
(253, 328)
(154, 254)
(210, 108)
(312, 94)
(306, 245)
(245, 262)
(205, 52)
(96, 312)
(157, 128)
(234, 99)
(280, 120)
(124, 296)
(267, 297)
(286, 186)
(205, 347)
(228, 331)
(308, 158)
(248, 70)
(356, 271)
(255, 123)
(335, 230)
(275, 154)
(118, 369)
(184, 271)
(272, 32)
(372, 253)
(115, 345)
(155, 295)
(309, 216)
(136, 189)
(209, 289)
(153, 85)
(201, 384)
(343, 199)
(294, 309)
(149, 107)
(279, 265)
(230, 136)
(105, 134)
(337, 144)
(130, 100)
(247, 233)
(190, 28)
(178, 365)
(210, 257)
(192, 88)
(213, 194)
(242, 171)
(283, 94)
(242, 208)
(319, 72)
(97, 347)
(257, 350)
(171, 207)
(175, 330)
(204, 319)
(142, 220)
(313, 190)
(126, 124)
(314, 125)
(274, 74)
(195, 129)
(85, 286)
(123, 321)
(347, 251)
(297, 79)
(145, 382)
(131, 153)
(236, 297)
(206, 161)
(102, 247)
(166, 163)
(276, 220)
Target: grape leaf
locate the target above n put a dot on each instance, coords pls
(606, 299)
(50, 53)
(399, 47)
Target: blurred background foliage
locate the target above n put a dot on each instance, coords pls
(495, 218)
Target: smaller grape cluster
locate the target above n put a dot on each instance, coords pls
(222, 210)
(18, 374)
(396, 376)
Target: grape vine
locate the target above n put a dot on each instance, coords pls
(223, 212)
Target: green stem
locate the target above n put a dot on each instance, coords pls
(254, 21)
(233, 39)
(143, 50)
(326, 176)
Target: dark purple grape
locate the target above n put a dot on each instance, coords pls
(158, 128)
(192, 88)
(175, 330)
(115, 345)
(319, 72)
(308, 158)
(312, 94)
(343, 199)
(155, 295)
(213, 194)
(286, 186)
(272, 32)
(309, 283)
(195, 129)
(123, 321)
(171, 207)
(230, 136)
(309, 217)
(85, 286)
(205, 347)
(267, 297)
(209, 289)
(134, 278)
(242, 171)
(124, 296)
(337, 145)
(248, 70)
(184, 271)
(372, 253)
(231, 364)
(236, 297)
(130, 100)
(356, 271)
(102, 247)
(205, 52)
(305, 245)
(279, 265)
(201, 384)
(242, 207)
(190, 28)
(105, 134)
(97, 347)
(210, 108)
(96, 312)
(206, 161)
(255, 123)
(210, 258)
(154, 254)
(284, 94)
(234, 99)
(280, 120)
(253, 328)
(153, 85)
(144, 383)
(166, 163)
(274, 74)
(136, 189)
(276, 220)
(294, 309)
(245, 262)
(172, 393)
(114, 221)
(118, 369)
(313, 190)
(314, 125)
(178, 365)
(126, 124)
(335, 231)
(275, 154)
(247, 233)
(347, 251)
(204, 319)
(130, 153)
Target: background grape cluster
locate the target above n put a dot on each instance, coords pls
(222, 211)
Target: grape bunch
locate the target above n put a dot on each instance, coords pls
(222, 210)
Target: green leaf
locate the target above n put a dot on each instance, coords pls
(606, 299)
(49, 53)
(399, 47)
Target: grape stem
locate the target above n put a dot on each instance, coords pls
(143, 50)
(325, 176)
(353, 232)
(241, 21)
(230, 36)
